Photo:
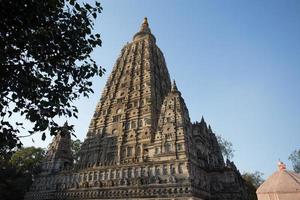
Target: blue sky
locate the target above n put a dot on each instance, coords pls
(237, 63)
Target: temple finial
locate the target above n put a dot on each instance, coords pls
(66, 124)
(145, 21)
(174, 86)
(281, 166)
(144, 32)
(202, 119)
(145, 25)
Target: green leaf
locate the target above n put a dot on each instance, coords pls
(77, 6)
(87, 6)
(43, 136)
(72, 2)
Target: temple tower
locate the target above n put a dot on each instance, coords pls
(126, 117)
(141, 144)
(59, 154)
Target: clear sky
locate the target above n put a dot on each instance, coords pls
(236, 62)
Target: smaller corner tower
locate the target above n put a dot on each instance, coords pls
(59, 154)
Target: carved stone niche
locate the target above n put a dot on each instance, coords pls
(157, 180)
(122, 182)
(216, 186)
(172, 179)
(96, 184)
(110, 183)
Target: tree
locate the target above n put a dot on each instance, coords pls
(28, 159)
(16, 173)
(295, 159)
(226, 147)
(13, 183)
(255, 178)
(75, 147)
(252, 182)
(45, 64)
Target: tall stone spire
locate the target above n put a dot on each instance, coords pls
(127, 115)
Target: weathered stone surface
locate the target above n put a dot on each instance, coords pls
(141, 143)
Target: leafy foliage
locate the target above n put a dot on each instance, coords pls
(45, 63)
(13, 184)
(75, 147)
(255, 178)
(252, 182)
(16, 172)
(295, 159)
(28, 159)
(226, 147)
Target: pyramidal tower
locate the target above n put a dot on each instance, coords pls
(59, 155)
(141, 143)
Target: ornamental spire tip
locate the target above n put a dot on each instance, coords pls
(145, 20)
(174, 86)
(281, 166)
(145, 25)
